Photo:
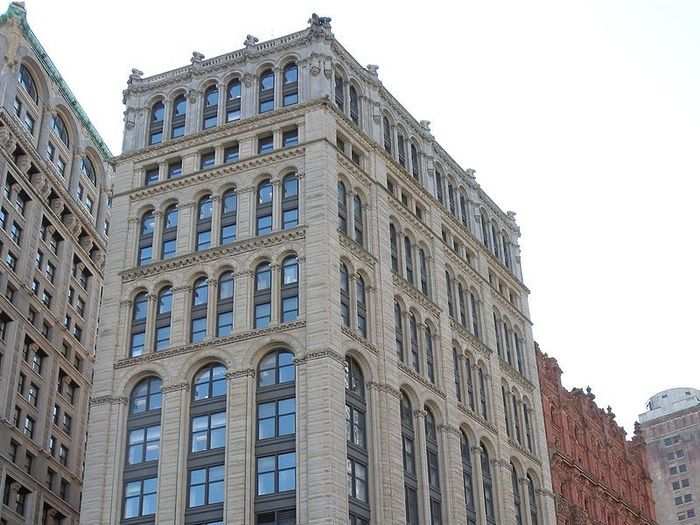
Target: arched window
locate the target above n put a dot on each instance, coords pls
(356, 436)
(275, 472)
(528, 428)
(290, 201)
(145, 397)
(139, 316)
(229, 208)
(483, 399)
(506, 411)
(415, 162)
(471, 396)
(233, 100)
(361, 303)
(534, 509)
(344, 295)
(451, 195)
(26, 80)
(263, 295)
(87, 168)
(204, 219)
(342, 208)
(517, 505)
(415, 351)
(508, 336)
(487, 482)
(146, 238)
(358, 220)
(143, 450)
(429, 353)
(210, 118)
(499, 334)
(410, 479)
(516, 420)
(483, 222)
(354, 105)
(408, 256)
(225, 304)
(496, 247)
(290, 87)
(263, 209)
(474, 303)
(398, 331)
(200, 300)
(266, 91)
(438, 187)
(457, 373)
(463, 208)
(169, 234)
(289, 295)
(339, 92)
(393, 243)
(163, 318)
(462, 305)
(155, 131)
(401, 147)
(209, 383)
(506, 251)
(59, 127)
(433, 453)
(450, 294)
(177, 127)
(467, 479)
(387, 136)
(423, 271)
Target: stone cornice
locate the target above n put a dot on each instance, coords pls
(356, 250)
(237, 374)
(235, 248)
(108, 400)
(524, 451)
(350, 167)
(421, 380)
(366, 344)
(219, 171)
(400, 209)
(462, 264)
(321, 354)
(514, 375)
(475, 342)
(477, 419)
(507, 305)
(219, 341)
(414, 294)
(384, 388)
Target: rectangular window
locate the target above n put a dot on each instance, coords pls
(199, 330)
(206, 486)
(144, 445)
(231, 153)
(151, 176)
(208, 432)
(290, 138)
(140, 498)
(276, 418)
(262, 315)
(264, 225)
(276, 474)
(206, 160)
(29, 123)
(175, 169)
(265, 144)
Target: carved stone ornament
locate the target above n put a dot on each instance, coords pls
(315, 70)
(197, 57)
(373, 70)
(250, 41)
(319, 25)
(248, 80)
(135, 76)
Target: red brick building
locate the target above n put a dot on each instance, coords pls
(598, 476)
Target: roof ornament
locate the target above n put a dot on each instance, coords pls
(250, 41)
(425, 124)
(197, 57)
(135, 76)
(319, 25)
(470, 172)
(373, 70)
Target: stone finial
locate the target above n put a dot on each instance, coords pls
(471, 173)
(511, 215)
(197, 57)
(135, 76)
(250, 41)
(319, 24)
(373, 70)
(425, 124)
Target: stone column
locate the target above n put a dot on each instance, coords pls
(216, 220)
(245, 221)
(149, 343)
(478, 484)
(185, 227)
(211, 308)
(276, 205)
(242, 304)
(275, 294)
(180, 315)
(453, 504)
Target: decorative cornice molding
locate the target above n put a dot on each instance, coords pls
(235, 248)
(400, 209)
(422, 381)
(366, 344)
(449, 429)
(507, 305)
(177, 387)
(108, 400)
(384, 388)
(219, 341)
(414, 294)
(354, 170)
(236, 374)
(524, 451)
(474, 341)
(461, 264)
(514, 375)
(322, 354)
(477, 419)
(356, 250)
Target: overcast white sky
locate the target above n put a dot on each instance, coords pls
(583, 117)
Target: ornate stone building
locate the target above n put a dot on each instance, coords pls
(54, 216)
(671, 429)
(311, 313)
(598, 476)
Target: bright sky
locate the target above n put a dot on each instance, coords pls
(583, 117)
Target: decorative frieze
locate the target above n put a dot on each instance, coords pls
(427, 384)
(357, 251)
(365, 344)
(414, 294)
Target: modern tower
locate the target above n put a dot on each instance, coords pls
(312, 314)
(54, 220)
(671, 429)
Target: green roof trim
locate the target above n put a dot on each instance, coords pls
(16, 11)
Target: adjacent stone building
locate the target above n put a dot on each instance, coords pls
(311, 313)
(671, 429)
(598, 476)
(54, 220)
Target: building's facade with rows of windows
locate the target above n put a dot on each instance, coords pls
(311, 313)
(54, 217)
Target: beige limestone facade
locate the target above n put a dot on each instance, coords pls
(54, 219)
(311, 313)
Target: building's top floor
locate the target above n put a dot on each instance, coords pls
(300, 68)
(670, 402)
